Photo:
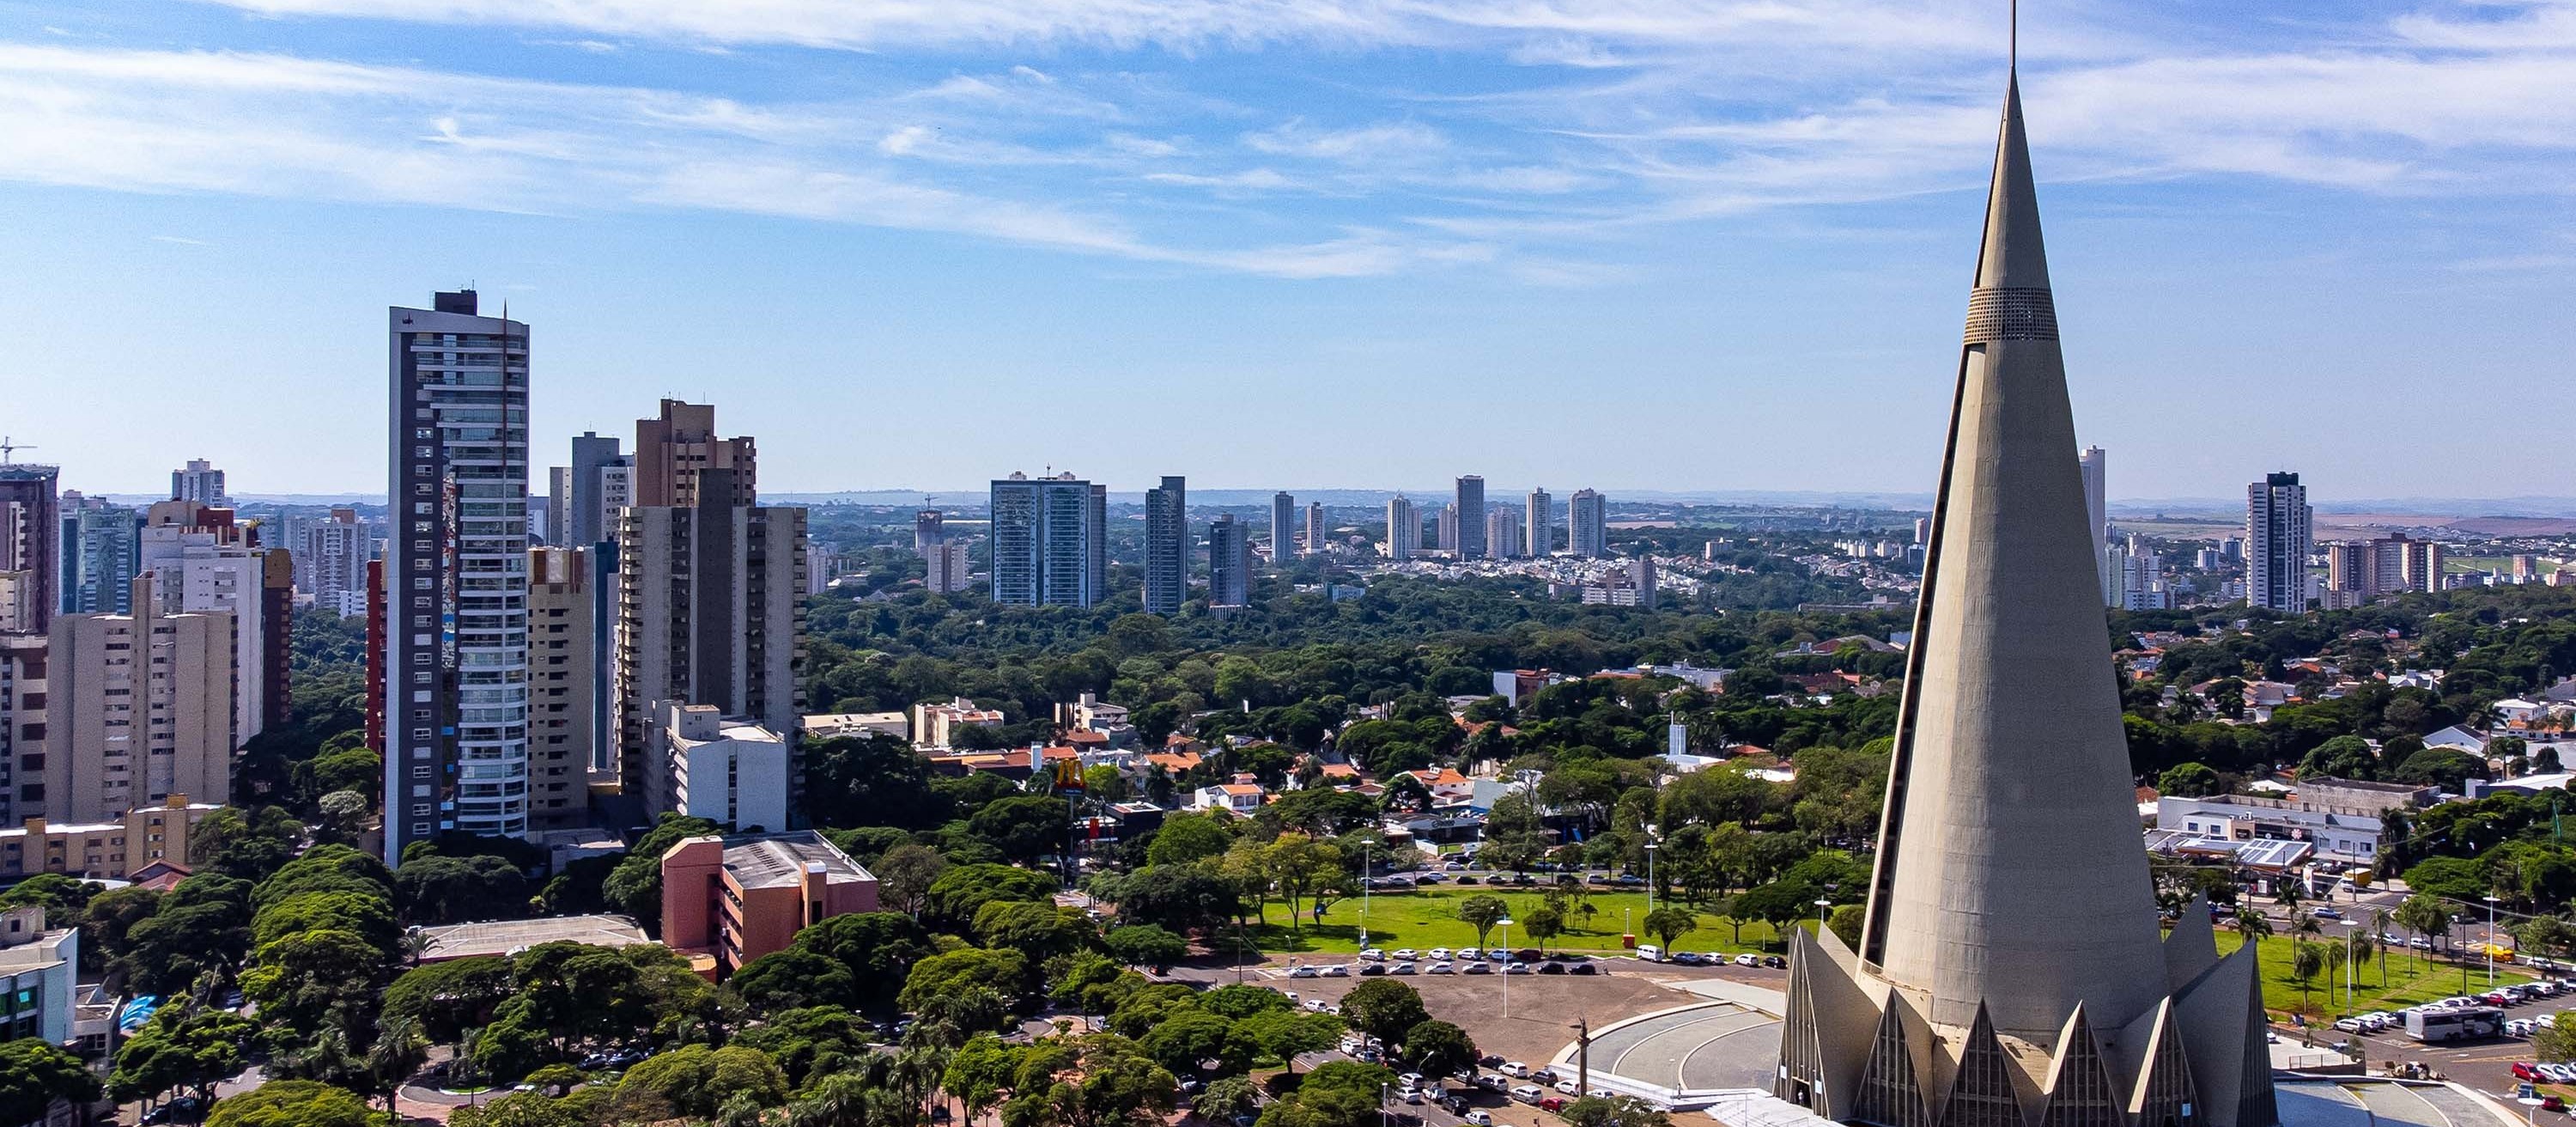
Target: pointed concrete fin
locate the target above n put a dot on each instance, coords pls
(1825, 1039)
(1983, 1091)
(2013, 257)
(2082, 1091)
(2164, 1086)
(2220, 1017)
(1832, 946)
(2193, 947)
(1894, 1089)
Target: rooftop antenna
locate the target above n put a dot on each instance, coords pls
(2012, 40)
(8, 449)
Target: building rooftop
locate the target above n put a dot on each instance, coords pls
(781, 860)
(500, 937)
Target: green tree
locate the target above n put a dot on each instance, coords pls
(1184, 838)
(696, 1080)
(1614, 1111)
(905, 875)
(634, 887)
(517, 1109)
(1146, 945)
(34, 1074)
(1437, 1048)
(2425, 915)
(964, 890)
(1514, 837)
(1545, 922)
(811, 1042)
(1004, 972)
(1199, 1043)
(1023, 827)
(1099, 1080)
(180, 1050)
(291, 1103)
(2307, 961)
(2189, 780)
(1846, 923)
(1384, 1008)
(249, 843)
(1225, 1098)
(1668, 924)
(446, 890)
(1484, 912)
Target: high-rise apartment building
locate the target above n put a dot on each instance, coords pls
(204, 563)
(671, 450)
(1444, 530)
(100, 545)
(331, 562)
(950, 567)
(2279, 526)
(559, 507)
(456, 573)
(2359, 571)
(1470, 506)
(1049, 544)
(200, 482)
(138, 707)
(1283, 523)
(1502, 533)
(1587, 525)
(1538, 536)
(586, 507)
(928, 528)
(24, 665)
(1403, 529)
(1314, 528)
(1229, 563)
(2095, 466)
(710, 613)
(563, 686)
(30, 547)
(1167, 546)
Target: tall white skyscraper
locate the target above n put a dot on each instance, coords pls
(1587, 525)
(1444, 526)
(332, 561)
(201, 482)
(456, 576)
(2279, 529)
(1502, 533)
(1403, 529)
(1470, 507)
(1283, 528)
(1540, 536)
(2095, 464)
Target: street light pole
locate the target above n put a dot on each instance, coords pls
(1506, 924)
(1824, 915)
(2491, 943)
(1364, 894)
(1650, 871)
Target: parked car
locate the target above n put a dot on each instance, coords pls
(1551, 968)
(1479, 968)
(1304, 972)
(1748, 959)
(1569, 1087)
(1406, 954)
(1400, 968)
(1373, 955)
(1438, 955)
(1551, 1103)
(1480, 1118)
(2326, 913)
(1775, 962)
(1514, 1069)
(1586, 968)
(1528, 1093)
(1373, 969)
(1517, 967)
(2525, 1070)
(1444, 966)
(1688, 959)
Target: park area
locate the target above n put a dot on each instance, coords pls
(2409, 978)
(1428, 917)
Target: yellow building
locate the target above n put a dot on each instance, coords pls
(103, 850)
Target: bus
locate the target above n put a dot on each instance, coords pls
(2462, 1023)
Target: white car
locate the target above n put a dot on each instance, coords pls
(1405, 954)
(1747, 959)
(1439, 954)
(1514, 1069)
(1337, 970)
(1569, 1087)
(1315, 1005)
(1442, 967)
(1305, 972)
(1518, 968)
(1480, 1117)
(1374, 955)
(1400, 968)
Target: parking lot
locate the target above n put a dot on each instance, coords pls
(2484, 1063)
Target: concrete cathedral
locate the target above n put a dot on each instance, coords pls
(2011, 972)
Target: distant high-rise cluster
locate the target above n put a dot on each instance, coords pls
(2358, 571)
(1049, 544)
(1502, 533)
(2279, 532)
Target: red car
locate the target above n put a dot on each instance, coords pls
(2523, 1070)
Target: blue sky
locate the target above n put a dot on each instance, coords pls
(1687, 244)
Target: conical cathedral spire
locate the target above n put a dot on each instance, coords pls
(2010, 872)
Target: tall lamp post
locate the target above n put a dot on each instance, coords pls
(1506, 924)
(1650, 870)
(1824, 915)
(1364, 894)
(2491, 943)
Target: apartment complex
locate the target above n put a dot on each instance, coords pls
(710, 612)
(1538, 535)
(137, 707)
(30, 548)
(1403, 529)
(1050, 541)
(201, 482)
(331, 562)
(115, 849)
(674, 448)
(202, 562)
(1587, 525)
(587, 518)
(1229, 563)
(1283, 520)
(730, 770)
(456, 582)
(2359, 571)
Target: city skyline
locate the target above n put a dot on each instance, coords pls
(1015, 222)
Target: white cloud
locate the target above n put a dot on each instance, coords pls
(1401, 142)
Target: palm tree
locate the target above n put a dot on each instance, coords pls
(838, 1100)
(399, 1052)
(2252, 923)
(2380, 919)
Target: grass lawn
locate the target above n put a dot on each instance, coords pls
(2408, 981)
(1426, 918)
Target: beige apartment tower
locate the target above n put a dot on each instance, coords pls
(139, 707)
(563, 697)
(2011, 971)
(672, 449)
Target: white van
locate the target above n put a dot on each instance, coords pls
(1649, 953)
(1529, 1093)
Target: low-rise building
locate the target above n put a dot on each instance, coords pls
(727, 769)
(117, 850)
(38, 969)
(935, 726)
(2335, 835)
(1239, 797)
(505, 937)
(856, 725)
(729, 900)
